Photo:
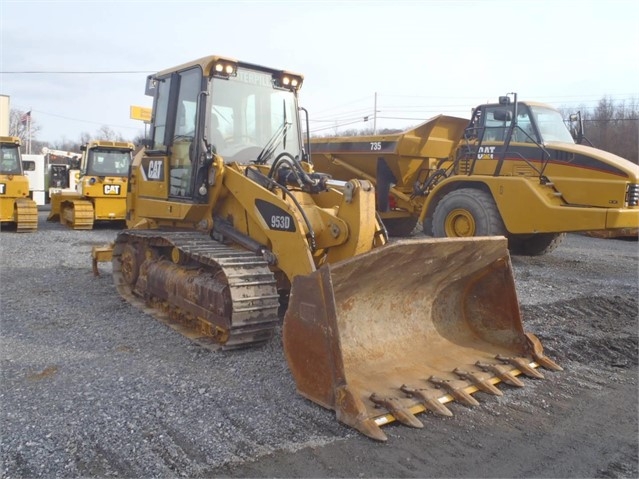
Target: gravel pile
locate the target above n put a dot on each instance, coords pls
(91, 387)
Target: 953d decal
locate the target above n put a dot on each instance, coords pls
(275, 217)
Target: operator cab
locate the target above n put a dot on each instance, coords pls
(243, 113)
(10, 163)
(534, 123)
(104, 161)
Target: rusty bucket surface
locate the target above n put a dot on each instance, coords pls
(406, 328)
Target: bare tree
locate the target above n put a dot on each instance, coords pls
(106, 133)
(84, 138)
(22, 124)
(613, 127)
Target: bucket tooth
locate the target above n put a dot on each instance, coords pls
(522, 364)
(547, 363)
(395, 407)
(482, 383)
(501, 372)
(455, 389)
(351, 410)
(539, 356)
(429, 399)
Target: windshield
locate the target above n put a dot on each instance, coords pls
(10, 160)
(251, 119)
(551, 125)
(108, 162)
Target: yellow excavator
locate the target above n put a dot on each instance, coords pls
(101, 188)
(15, 205)
(229, 228)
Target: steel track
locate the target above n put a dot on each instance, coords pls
(251, 286)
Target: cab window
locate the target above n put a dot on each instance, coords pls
(10, 160)
(496, 122)
(181, 162)
(108, 162)
(161, 113)
(524, 133)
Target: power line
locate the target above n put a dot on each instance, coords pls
(43, 72)
(347, 115)
(338, 125)
(40, 112)
(465, 108)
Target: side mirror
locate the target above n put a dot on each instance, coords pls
(504, 100)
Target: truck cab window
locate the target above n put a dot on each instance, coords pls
(10, 161)
(496, 122)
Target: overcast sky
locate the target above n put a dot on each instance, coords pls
(421, 58)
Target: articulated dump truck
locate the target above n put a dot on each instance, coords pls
(15, 205)
(513, 170)
(101, 188)
(229, 229)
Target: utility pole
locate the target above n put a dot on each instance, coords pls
(375, 115)
(29, 129)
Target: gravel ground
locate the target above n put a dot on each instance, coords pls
(92, 388)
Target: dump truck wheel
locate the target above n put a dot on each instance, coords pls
(427, 226)
(534, 245)
(467, 212)
(400, 226)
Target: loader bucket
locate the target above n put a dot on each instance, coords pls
(406, 328)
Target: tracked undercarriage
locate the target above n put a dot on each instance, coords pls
(214, 294)
(77, 214)
(26, 215)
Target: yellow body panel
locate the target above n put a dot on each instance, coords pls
(545, 212)
(12, 187)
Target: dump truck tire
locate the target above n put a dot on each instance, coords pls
(400, 227)
(534, 245)
(467, 212)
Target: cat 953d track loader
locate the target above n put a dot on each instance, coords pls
(101, 189)
(513, 170)
(15, 205)
(226, 217)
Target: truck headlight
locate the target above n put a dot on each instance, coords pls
(632, 195)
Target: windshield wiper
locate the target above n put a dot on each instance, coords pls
(278, 137)
(273, 143)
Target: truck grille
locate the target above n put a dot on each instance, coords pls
(632, 196)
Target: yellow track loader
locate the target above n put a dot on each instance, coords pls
(101, 189)
(229, 226)
(15, 205)
(513, 170)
